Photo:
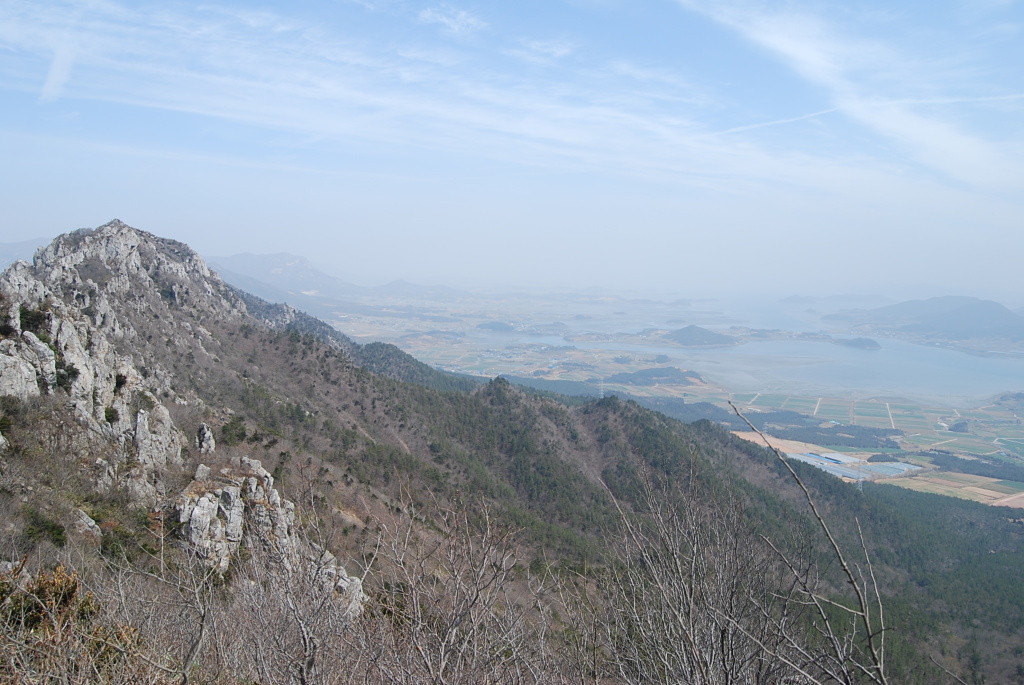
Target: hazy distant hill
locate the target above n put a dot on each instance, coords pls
(297, 276)
(294, 280)
(666, 375)
(847, 300)
(982, 319)
(255, 286)
(12, 252)
(138, 388)
(858, 343)
(289, 273)
(696, 336)
(499, 326)
(946, 318)
(405, 289)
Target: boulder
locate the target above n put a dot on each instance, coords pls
(85, 527)
(204, 441)
(241, 504)
(17, 375)
(157, 442)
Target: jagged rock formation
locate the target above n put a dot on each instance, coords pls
(20, 367)
(216, 511)
(204, 441)
(73, 324)
(111, 317)
(239, 505)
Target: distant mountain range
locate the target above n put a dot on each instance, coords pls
(296, 281)
(939, 318)
(286, 273)
(12, 252)
(294, 275)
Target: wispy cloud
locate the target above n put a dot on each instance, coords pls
(776, 122)
(320, 83)
(542, 51)
(649, 74)
(454, 21)
(324, 85)
(58, 74)
(253, 19)
(861, 77)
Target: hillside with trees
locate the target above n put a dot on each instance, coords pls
(200, 486)
(940, 318)
(696, 336)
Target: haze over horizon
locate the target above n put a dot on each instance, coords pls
(689, 147)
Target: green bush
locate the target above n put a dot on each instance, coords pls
(34, 320)
(67, 373)
(233, 432)
(40, 527)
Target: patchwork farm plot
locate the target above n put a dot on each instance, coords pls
(966, 486)
(994, 432)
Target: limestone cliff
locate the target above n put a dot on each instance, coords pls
(238, 505)
(114, 321)
(73, 323)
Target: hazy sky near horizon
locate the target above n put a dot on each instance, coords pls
(686, 146)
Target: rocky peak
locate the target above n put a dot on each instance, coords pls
(105, 315)
(119, 322)
(92, 310)
(116, 260)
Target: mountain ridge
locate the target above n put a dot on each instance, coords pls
(124, 355)
(954, 318)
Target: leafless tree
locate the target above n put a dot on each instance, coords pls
(287, 619)
(848, 637)
(52, 630)
(173, 603)
(693, 596)
(447, 607)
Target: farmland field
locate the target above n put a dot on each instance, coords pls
(591, 342)
(992, 431)
(964, 486)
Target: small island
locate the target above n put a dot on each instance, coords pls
(695, 336)
(859, 343)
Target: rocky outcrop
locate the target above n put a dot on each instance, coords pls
(217, 510)
(17, 375)
(239, 505)
(204, 441)
(157, 442)
(45, 360)
(86, 318)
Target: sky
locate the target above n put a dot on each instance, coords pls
(681, 146)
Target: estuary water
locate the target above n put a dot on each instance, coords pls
(898, 369)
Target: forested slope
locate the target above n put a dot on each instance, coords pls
(499, 535)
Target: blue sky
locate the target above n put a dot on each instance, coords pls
(682, 146)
